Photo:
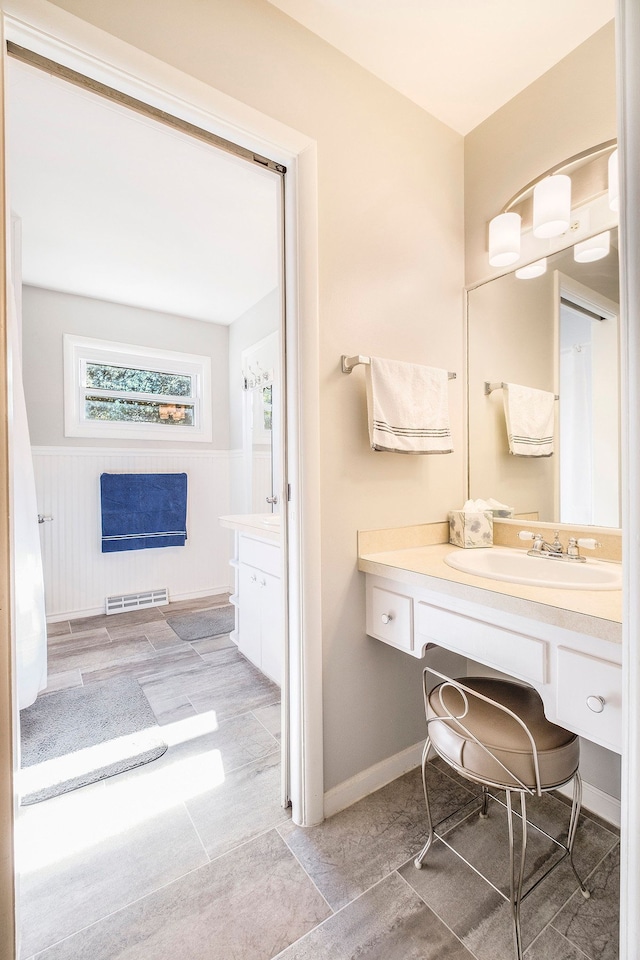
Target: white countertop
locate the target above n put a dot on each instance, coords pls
(596, 613)
(266, 526)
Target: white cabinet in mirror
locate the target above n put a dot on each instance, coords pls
(559, 332)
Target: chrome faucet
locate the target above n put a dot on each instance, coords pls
(555, 551)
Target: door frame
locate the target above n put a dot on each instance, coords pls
(55, 34)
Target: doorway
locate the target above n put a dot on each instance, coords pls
(85, 301)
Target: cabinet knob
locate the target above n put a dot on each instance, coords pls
(596, 704)
(263, 583)
(387, 617)
(253, 578)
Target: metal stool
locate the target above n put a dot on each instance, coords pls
(494, 733)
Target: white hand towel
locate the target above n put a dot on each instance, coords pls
(408, 407)
(530, 416)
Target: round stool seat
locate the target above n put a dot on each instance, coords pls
(558, 749)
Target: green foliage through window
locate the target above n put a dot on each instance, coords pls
(102, 376)
(121, 410)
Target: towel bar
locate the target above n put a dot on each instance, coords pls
(490, 387)
(348, 363)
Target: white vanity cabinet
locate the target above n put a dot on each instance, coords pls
(577, 674)
(259, 626)
(258, 595)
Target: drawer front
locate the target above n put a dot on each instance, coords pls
(258, 553)
(390, 617)
(583, 679)
(514, 653)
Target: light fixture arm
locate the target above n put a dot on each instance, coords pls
(608, 146)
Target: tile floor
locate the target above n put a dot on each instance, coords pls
(191, 857)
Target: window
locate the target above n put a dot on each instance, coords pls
(124, 391)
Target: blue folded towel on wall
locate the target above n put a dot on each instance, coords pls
(141, 511)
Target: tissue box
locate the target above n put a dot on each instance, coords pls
(471, 529)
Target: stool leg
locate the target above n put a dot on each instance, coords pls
(573, 826)
(420, 858)
(517, 873)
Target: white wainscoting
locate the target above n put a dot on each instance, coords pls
(78, 576)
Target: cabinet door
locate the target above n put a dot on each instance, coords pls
(249, 612)
(589, 697)
(272, 626)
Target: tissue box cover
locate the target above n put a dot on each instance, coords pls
(471, 529)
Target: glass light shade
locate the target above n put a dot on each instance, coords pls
(504, 239)
(552, 206)
(532, 270)
(595, 248)
(614, 182)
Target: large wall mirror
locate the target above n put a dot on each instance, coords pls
(557, 332)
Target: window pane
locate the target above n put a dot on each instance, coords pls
(102, 376)
(119, 410)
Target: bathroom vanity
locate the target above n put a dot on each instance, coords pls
(258, 590)
(564, 642)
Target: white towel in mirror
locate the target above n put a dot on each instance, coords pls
(530, 416)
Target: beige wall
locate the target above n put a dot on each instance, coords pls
(47, 315)
(570, 108)
(390, 199)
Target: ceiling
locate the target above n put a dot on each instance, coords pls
(458, 59)
(90, 180)
(118, 207)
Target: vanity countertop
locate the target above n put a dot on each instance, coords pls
(263, 525)
(596, 613)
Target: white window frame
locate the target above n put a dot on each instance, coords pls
(80, 350)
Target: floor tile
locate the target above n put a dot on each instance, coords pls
(152, 665)
(476, 913)
(118, 619)
(62, 681)
(197, 603)
(248, 905)
(389, 922)
(271, 718)
(243, 805)
(212, 644)
(101, 654)
(593, 925)
(239, 688)
(77, 641)
(551, 945)
(354, 849)
(56, 629)
(97, 857)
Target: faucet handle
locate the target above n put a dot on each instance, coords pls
(526, 535)
(589, 542)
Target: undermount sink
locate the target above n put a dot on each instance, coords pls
(515, 566)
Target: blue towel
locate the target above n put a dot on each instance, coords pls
(141, 511)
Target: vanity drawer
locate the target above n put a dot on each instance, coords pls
(390, 617)
(524, 657)
(258, 553)
(582, 680)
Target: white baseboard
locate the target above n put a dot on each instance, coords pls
(596, 801)
(370, 780)
(173, 598)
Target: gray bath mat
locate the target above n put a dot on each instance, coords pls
(204, 623)
(75, 737)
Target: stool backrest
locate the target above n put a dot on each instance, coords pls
(455, 719)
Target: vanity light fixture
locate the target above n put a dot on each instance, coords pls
(595, 248)
(535, 269)
(504, 239)
(552, 206)
(545, 203)
(614, 182)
